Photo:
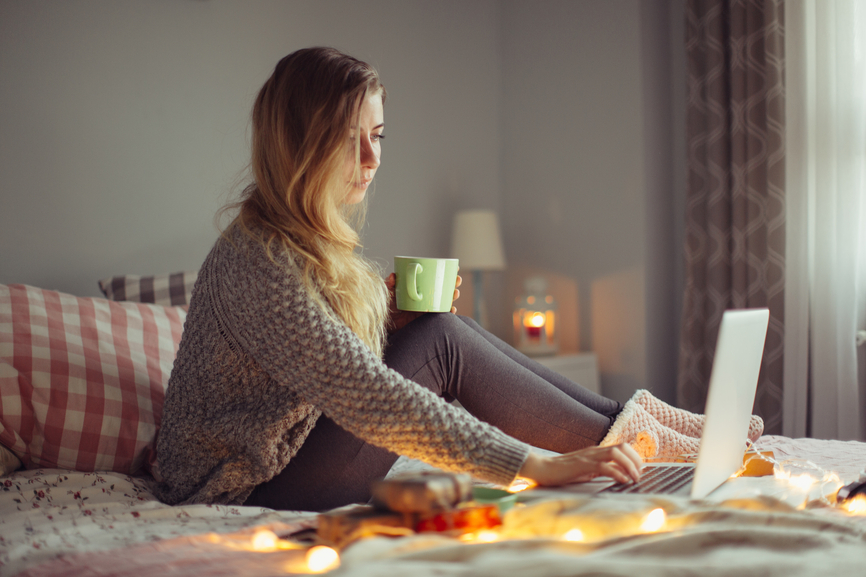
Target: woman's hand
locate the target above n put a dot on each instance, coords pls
(398, 319)
(620, 462)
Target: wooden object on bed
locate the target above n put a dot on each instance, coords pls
(422, 492)
(345, 525)
(400, 503)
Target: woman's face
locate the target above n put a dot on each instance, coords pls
(371, 125)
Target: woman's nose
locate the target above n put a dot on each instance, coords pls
(369, 156)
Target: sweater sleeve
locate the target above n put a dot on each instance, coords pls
(265, 308)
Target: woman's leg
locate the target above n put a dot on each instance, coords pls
(332, 468)
(574, 390)
(456, 358)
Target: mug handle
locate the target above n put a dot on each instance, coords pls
(411, 281)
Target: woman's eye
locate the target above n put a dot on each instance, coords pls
(377, 137)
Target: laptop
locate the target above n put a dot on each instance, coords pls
(731, 395)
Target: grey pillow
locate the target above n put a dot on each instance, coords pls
(172, 289)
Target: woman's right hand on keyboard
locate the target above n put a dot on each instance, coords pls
(619, 462)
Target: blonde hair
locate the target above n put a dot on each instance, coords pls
(302, 121)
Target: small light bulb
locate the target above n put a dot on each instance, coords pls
(857, 505)
(321, 558)
(654, 521)
(487, 536)
(519, 485)
(264, 540)
(803, 482)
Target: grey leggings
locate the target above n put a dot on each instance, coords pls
(457, 359)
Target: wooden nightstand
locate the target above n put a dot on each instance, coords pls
(582, 368)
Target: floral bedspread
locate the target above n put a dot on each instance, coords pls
(55, 522)
(46, 513)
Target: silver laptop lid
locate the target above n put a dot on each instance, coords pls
(731, 395)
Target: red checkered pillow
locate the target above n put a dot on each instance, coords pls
(161, 289)
(82, 380)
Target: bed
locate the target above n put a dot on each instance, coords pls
(81, 385)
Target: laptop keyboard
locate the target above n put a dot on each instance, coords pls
(662, 479)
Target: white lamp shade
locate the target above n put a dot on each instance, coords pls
(476, 240)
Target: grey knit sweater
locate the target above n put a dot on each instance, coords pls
(259, 361)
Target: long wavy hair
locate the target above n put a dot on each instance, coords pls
(302, 123)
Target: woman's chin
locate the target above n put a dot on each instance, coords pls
(356, 194)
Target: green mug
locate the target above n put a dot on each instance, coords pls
(425, 284)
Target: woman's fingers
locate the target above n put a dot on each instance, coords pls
(628, 458)
(456, 293)
(624, 458)
(612, 470)
(629, 452)
(620, 462)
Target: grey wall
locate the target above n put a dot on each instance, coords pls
(123, 125)
(590, 164)
(123, 128)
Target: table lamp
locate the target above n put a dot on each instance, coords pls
(477, 243)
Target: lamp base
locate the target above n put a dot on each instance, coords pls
(478, 312)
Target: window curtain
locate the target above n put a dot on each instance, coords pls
(825, 288)
(735, 203)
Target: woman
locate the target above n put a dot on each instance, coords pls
(295, 386)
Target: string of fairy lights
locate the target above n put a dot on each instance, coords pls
(800, 474)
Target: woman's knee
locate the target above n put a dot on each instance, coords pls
(445, 323)
(431, 334)
(468, 321)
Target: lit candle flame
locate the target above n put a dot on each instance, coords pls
(574, 535)
(537, 319)
(321, 559)
(654, 521)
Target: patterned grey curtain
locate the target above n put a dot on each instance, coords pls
(735, 206)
